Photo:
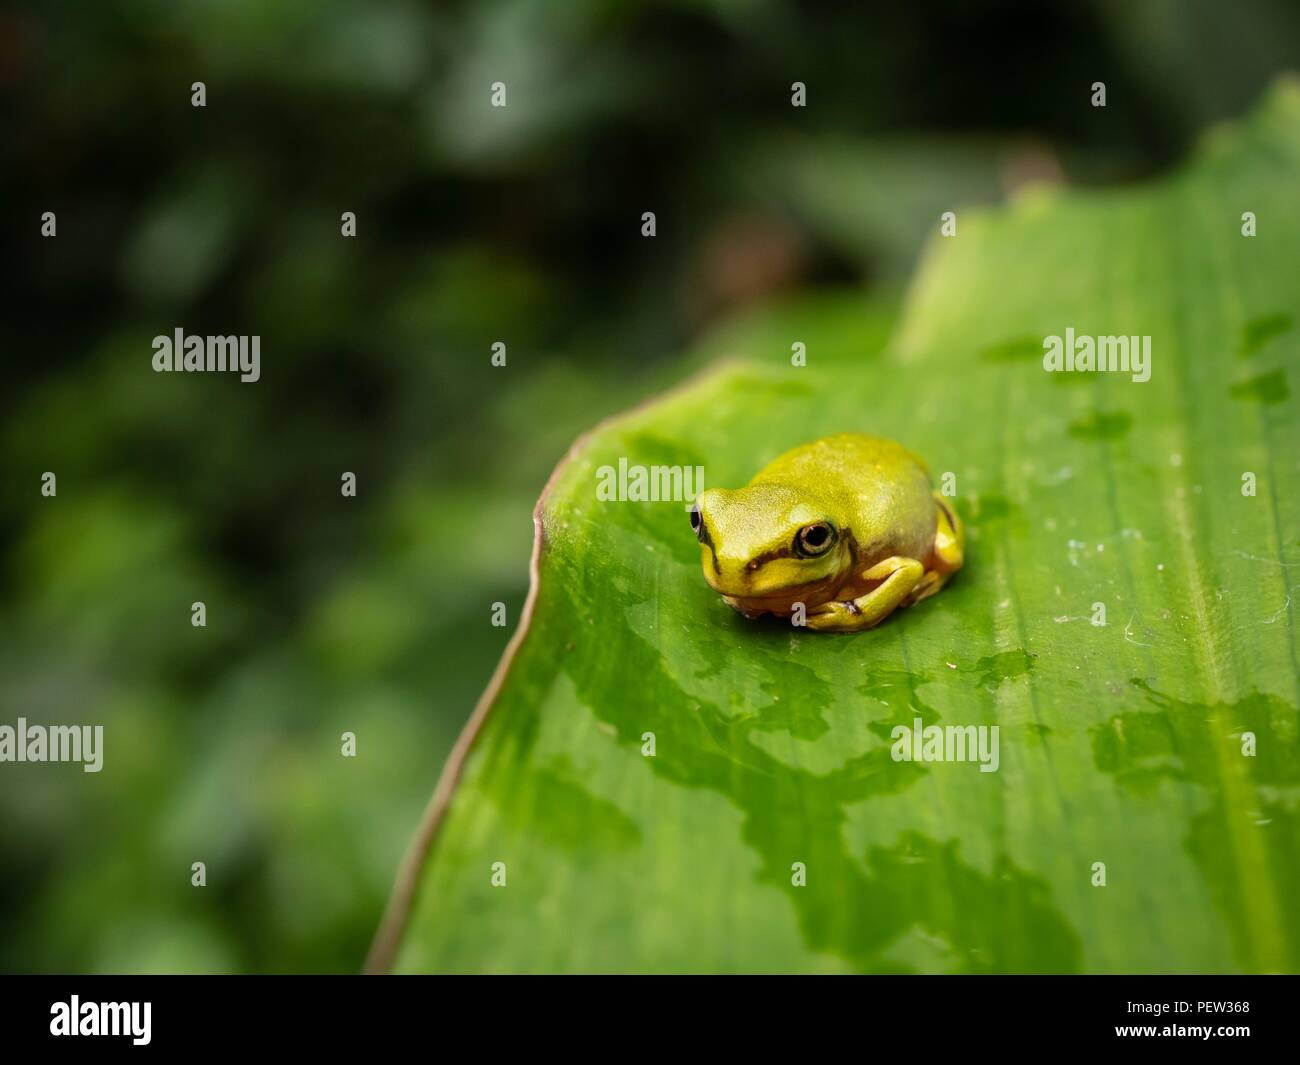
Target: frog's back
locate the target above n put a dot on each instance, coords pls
(845, 458)
(880, 489)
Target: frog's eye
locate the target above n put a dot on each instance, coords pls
(697, 522)
(814, 540)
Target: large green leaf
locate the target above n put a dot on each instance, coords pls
(1121, 744)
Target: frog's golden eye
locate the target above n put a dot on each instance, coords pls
(697, 522)
(813, 540)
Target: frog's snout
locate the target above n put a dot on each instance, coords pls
(704, 516)
(700, 524)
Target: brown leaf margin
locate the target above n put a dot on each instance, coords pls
(392, 926)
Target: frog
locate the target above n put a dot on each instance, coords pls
(835, 535)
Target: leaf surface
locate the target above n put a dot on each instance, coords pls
(1119, 744)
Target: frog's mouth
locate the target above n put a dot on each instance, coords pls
(777, 600)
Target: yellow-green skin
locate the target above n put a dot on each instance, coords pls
(891, 541)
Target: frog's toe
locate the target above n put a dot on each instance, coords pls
(836, 617)
(930, 583)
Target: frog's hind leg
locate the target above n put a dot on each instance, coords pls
(898, 576)
(948, 554)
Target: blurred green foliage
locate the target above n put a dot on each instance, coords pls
(328, 614)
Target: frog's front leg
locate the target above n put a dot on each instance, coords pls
(899, 576)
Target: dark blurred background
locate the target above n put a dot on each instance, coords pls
(329, 614)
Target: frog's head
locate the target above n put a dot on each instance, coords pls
(769, 546)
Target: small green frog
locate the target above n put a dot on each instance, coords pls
(847, 526)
